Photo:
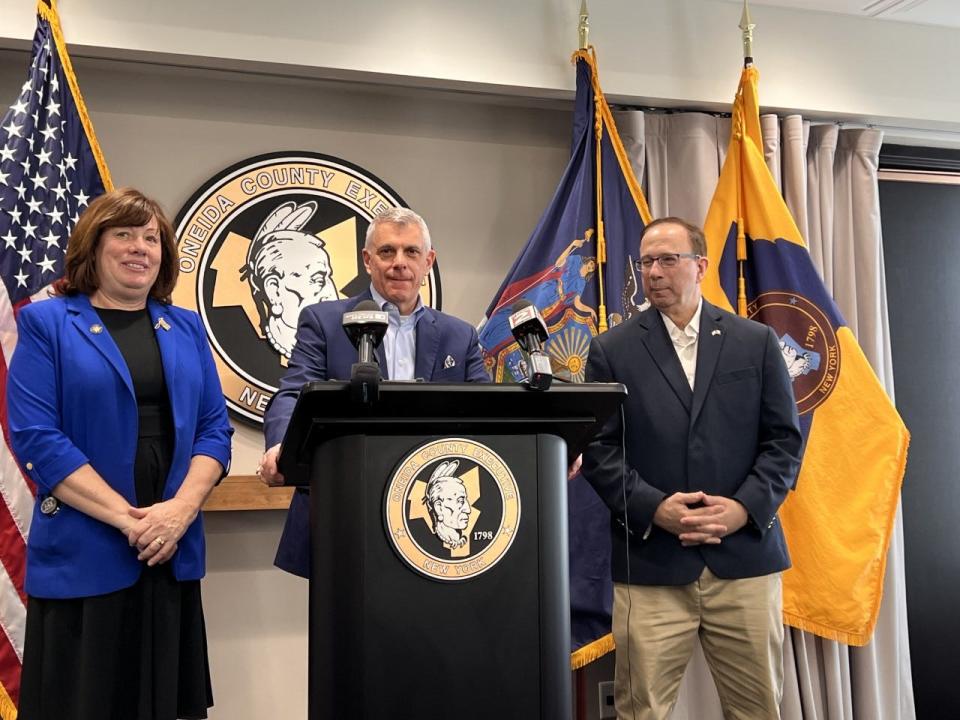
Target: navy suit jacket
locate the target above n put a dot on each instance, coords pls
(324, 352)
(70, 401)
(736, 434)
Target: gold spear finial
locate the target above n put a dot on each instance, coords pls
(747, 26)
(584, 24)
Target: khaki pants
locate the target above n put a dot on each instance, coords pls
(740, 626)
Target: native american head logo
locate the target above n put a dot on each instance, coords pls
(287, 269)
(452, 509)
(448, 505)
(261, 241)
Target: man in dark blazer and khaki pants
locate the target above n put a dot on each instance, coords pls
(694, 473)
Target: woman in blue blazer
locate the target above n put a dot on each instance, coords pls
(116, 414)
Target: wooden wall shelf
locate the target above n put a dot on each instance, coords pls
(246, 492)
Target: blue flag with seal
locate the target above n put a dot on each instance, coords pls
(577, 268)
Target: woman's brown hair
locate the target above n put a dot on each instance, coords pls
(125, 207)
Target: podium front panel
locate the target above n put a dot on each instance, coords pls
(391, 640)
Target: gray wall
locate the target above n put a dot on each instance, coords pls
(480, 170)
(664, 53)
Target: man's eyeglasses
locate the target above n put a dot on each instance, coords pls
(667, 260)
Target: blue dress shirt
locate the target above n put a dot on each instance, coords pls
(400, 342)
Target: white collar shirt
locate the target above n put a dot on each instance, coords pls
(685, 342)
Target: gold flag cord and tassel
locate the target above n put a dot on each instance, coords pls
(603, 118)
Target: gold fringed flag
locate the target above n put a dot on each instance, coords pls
(50, 168)
(578, 269)
(839, 518)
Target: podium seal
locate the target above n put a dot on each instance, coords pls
(451, 509)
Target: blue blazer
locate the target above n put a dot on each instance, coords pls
(324, 352)
(736, 434)
(70, 401)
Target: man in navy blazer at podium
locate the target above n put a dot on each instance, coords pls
(421, 343)
(694, 473)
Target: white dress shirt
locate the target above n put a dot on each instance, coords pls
(685, 342)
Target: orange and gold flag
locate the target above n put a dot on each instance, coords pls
(839, 519)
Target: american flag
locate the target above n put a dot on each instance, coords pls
(50, 169)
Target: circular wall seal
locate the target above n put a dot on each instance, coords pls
(807, 341)
(451, 509)
(263, 239)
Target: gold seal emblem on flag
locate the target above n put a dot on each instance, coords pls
(807, 341)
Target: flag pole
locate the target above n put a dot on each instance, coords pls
(584, 29)
(746, 27)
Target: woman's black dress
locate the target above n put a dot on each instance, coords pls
(138, 653)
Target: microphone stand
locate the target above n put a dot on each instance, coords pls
(365, 382)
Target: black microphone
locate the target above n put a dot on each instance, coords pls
(365, 325)
(530, 331)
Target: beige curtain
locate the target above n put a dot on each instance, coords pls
(828, 176)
